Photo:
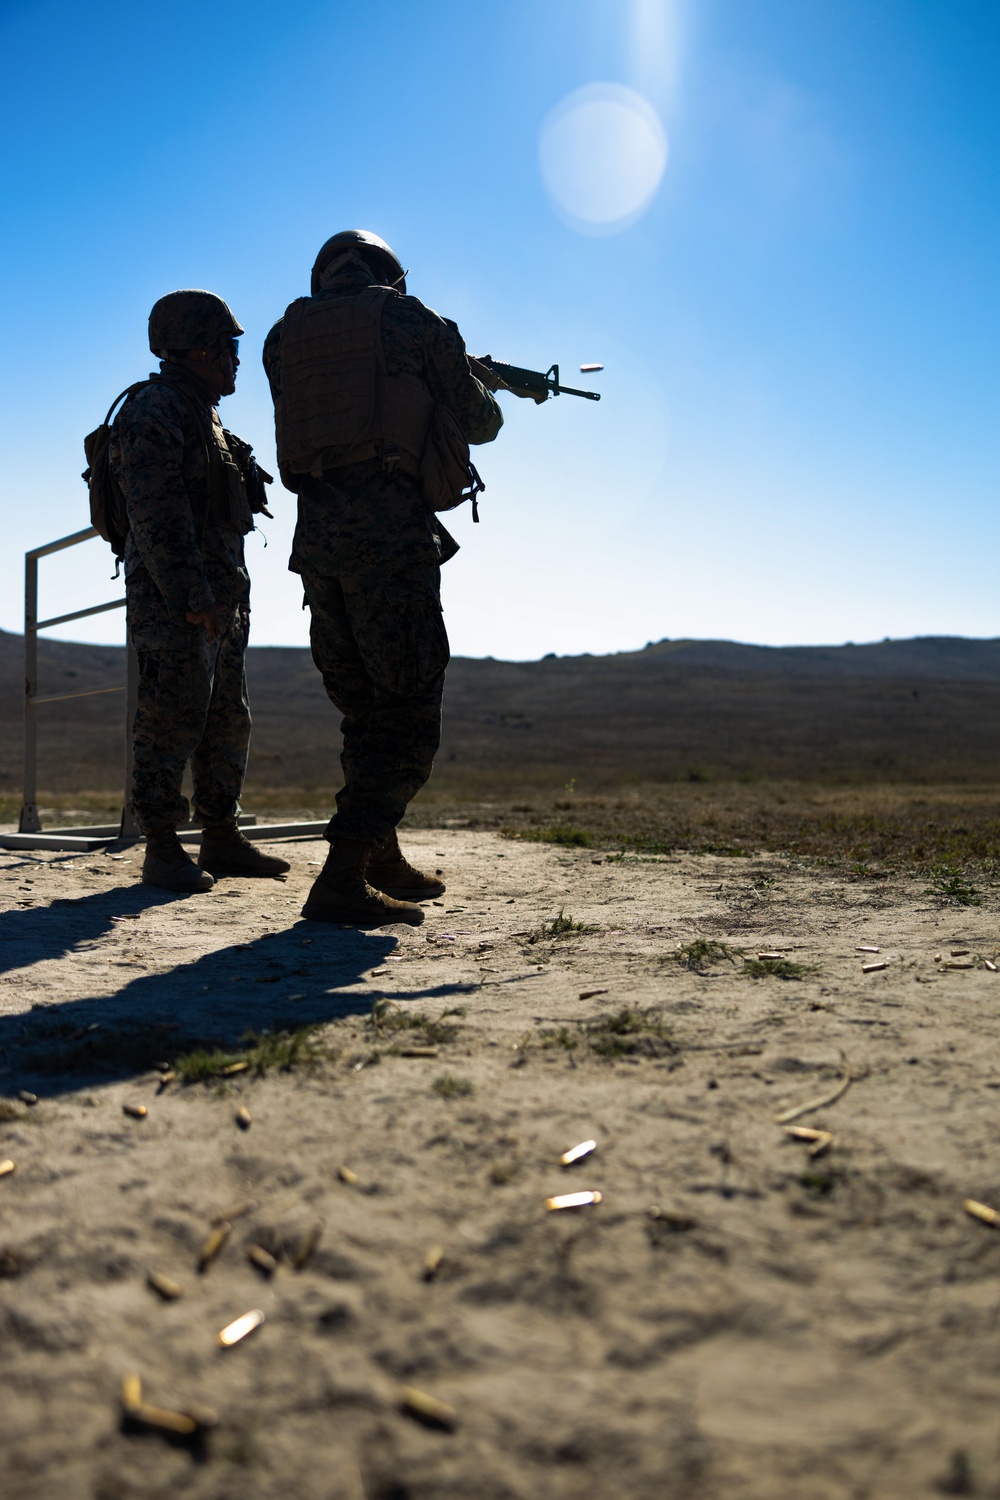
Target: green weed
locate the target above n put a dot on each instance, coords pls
(777, 968)
(951, 885)
(387, 1018)
(566, 834)
(561, 926)
(701, 952)
(263, 1052)
(447, 1086)
(630, 1033)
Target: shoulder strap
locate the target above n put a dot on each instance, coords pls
(124, 396)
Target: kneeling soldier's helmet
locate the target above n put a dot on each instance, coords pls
(358, 244)
(182, 320)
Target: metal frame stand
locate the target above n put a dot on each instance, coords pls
(96, 836)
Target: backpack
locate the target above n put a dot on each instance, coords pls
(108, 512)
(108, 515)
(447, 474)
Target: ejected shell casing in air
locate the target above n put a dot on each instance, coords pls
(27, 1097)
(577, 1153)
(243, 1117)
(239, 1328)
(572, 1200)
(6, 1167)
(137, 1111)
(347, 1175)
(432, 1262)
(590, 369)
(213, 1245)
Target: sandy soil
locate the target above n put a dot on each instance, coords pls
(781, 1326)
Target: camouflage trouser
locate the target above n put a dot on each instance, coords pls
(192, 707)
(382, 650)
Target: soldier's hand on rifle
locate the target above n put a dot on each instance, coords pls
(215, 618)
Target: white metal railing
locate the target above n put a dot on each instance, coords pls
(29, 834)
(30, 821)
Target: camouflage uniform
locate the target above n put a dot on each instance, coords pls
(188, 511)
(369, 552)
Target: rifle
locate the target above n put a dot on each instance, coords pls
(533, 383)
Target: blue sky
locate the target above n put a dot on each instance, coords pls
(798, 437)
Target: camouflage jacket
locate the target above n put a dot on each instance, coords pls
(188, 508)
(360, 520)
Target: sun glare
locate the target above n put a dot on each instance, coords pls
(602, 152)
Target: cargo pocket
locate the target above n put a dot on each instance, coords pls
(401, 636)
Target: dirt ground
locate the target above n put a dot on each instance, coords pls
(734, 1318)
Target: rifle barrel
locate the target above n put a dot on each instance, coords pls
(568, 390)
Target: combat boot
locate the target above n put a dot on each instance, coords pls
(170, 867)
(390, 871)
(224, 851)
(341, 893)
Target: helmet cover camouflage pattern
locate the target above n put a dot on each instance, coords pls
(181, 320)
(373, 250)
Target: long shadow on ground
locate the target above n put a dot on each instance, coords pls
(301, 976)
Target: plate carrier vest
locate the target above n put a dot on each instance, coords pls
(337, 404)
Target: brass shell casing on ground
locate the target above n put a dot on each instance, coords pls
(432, 1262)
(427, 1409)
(167, 1289)
(239, 1328)
(572, 1200)
(214, 1244)
(310, 1240)
(981, 1211)
(262, 1260)
(158, 1417)
(131, 1391)
(577, 1153)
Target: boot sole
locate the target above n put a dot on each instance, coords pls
(398, 893)
(353, 919)
(217, 870)
(180, 890)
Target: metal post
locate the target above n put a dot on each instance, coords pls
(30, 822)
(129, 827)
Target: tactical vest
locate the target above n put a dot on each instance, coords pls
(337, 404)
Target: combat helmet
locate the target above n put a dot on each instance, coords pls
(361, 244)
(180, 320)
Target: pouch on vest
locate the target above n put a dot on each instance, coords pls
(448, 477)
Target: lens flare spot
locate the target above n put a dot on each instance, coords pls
(602, 152)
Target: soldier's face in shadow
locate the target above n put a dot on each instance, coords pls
(216, 365)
